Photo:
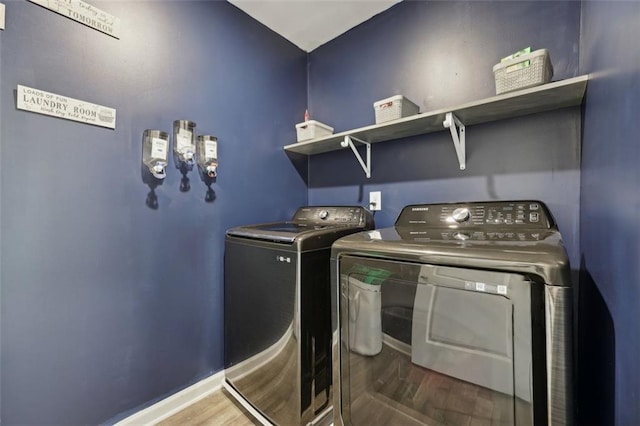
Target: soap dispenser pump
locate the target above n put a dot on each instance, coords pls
(155, 149)
(184, 148)
(207, 148)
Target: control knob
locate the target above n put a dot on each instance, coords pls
(461, 214)
(323, 214)
(462, 236)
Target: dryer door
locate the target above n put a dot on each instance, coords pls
(427, 344)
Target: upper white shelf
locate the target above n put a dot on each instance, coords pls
(550, 96)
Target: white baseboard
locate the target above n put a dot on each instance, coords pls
(175, 403)
(181, 400)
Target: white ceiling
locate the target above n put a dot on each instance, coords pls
(311, 23)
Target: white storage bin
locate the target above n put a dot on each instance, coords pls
(393, 108)
(312, 130)
(528, 70)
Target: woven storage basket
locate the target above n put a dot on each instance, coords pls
(528, 70)
(312, 130)
(394, 108)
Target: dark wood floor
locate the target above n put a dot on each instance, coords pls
(387, 389)
(216, 409)
(269, 387)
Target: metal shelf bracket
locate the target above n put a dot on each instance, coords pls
(348, 142)
(457, 134)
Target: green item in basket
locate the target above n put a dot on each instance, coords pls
(519, 66)
(518, 53)
(373, 276)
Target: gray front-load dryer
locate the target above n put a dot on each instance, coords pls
(459, 314)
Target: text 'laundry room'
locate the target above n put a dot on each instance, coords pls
(222, 212)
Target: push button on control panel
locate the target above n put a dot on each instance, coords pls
(534, 216)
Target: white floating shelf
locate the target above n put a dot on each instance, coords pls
(548, 97)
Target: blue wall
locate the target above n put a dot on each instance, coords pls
(441, 54)
(610, 213)
(108, 304)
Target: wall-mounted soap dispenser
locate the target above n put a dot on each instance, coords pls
(207, 149)
(155, 151)
(184, 147)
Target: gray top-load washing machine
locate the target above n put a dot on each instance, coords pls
(459, 314)
(277, 312)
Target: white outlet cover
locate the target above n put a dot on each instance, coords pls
(375, 200)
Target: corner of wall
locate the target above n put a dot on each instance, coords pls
(581, 65)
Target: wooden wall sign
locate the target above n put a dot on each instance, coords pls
(85, 14)
(41, 102)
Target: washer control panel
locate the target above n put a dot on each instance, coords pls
(332, 215)
(529, 214)
(461, 235)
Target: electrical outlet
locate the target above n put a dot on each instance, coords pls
(375, 201)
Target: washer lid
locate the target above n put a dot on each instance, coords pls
(514, 236)
(325, 222)
(285, 232)
(542, 255)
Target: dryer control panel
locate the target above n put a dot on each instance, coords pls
(524, 214)
(333, 215)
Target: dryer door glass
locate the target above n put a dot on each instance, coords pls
(425, 344)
